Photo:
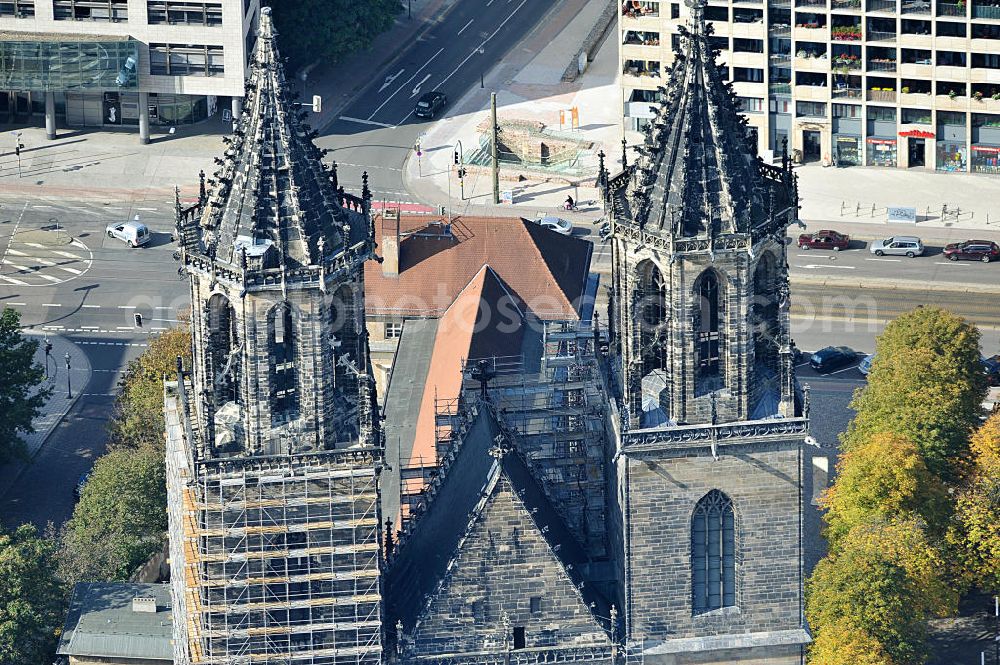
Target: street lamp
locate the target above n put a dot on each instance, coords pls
(48, 352)
(69, 387)
(482, 67)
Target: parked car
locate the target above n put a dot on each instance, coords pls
(831, 358)
(430, 103)
(825, 239)
(991, 366)
(557, 224)
(973, 250)
(898, 246)
(865, 365)
(133, 233)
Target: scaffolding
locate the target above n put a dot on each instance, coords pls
(553, 406)
(276, 559)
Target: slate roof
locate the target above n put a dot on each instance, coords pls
(272, 184)
(101, 622)
(468, 481)
(698, 174)
(546, 271)
(482, 321)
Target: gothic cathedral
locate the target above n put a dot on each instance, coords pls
(710, 419)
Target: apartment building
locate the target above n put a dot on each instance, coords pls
(890, 83)
(112, 63)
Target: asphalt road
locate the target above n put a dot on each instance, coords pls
(66, 277)
(379, 128)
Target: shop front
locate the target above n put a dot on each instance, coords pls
(986, 159)
(952, 157)
(847, 150)
(881, 152)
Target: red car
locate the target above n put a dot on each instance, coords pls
(825, 239)
(973, 250)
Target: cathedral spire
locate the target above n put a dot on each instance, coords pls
(697, 174)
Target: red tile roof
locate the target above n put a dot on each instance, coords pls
(545, 271)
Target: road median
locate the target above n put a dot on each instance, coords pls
(893, 284)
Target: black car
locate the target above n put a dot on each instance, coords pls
(831, 358)
(991, 366)
(430, 103)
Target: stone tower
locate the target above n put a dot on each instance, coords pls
(710, 417)
(273, 443)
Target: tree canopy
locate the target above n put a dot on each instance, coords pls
(120, 519)
(21, 398)
(880, 588)
(328, 30)
(883, 478)
(138, 415)
(927, 384)
(31, 599)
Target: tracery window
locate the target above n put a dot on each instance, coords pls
(713, 553)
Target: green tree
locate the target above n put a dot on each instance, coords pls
(975, 532)
(120, 519)
(879, 588)
(21, 398)
(328, 30)
(138, 415)
(31, 599)
(926, 384)
(883, 478)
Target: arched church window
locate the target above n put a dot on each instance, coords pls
(713, 553)
(764, 313)
(651, 306)
(344, 329)
(281, 349)
(707, 331)
(223, 350)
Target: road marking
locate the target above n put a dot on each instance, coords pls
(90, 327)
(147, 209)
(126, 306)
(68, 255)
(951, 263)
(475, 51)
(367, 122)
(72, 271)
(392, 77)
(90, 306)
(32, 258)
(161, 307)
(35, 245)
(13, 233)
(465, 26)
(489, 3)
(889, 260)
(14, 281)
(408, 81)
(416, 90)
(51, 304)
(819, 266)
(34, 272)
(17, 304)
(843, 370)
(43, 206)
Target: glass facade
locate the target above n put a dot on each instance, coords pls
(43, 66)
(986, 159)
(951, 156)
(881, 152)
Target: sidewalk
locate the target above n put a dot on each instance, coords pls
(529, 87)
(58, 404)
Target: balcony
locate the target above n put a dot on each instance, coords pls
(846, 93)
(950, 103)
(846, 62)
(879, 36)
(779, 88)
(779, 30)
(908, 98)
(881, 65)
(810, 3)
(882, 95)
(988, 104)
(887, 6)
(920, 7)
(641, 68)
(951, 9)
(850, 5)
(638, 9)
(914, 70)
(818, 64)
(986, 11)
(846, 33)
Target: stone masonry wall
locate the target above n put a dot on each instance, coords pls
(504, 563)
(762, 481)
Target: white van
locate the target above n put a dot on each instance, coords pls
(133, 233)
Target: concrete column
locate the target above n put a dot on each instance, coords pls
(237, 108)
(144, 118)
(50, 115)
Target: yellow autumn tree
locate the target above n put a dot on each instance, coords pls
(883, 478)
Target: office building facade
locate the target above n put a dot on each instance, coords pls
(890, 83)
(114, 63)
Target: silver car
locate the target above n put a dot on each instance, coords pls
(898, 246)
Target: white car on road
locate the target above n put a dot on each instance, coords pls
(133, 233)
(557, 224)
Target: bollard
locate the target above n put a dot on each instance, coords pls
(873, 210)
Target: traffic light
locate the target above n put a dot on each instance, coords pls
(456, 156)
(17, 148)
(461, 172)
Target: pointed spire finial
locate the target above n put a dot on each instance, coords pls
(202, 196)
(624, 153)
(365, 192)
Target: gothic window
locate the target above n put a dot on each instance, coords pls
(764, 313)
(346, 340)
(708, 331)
(223, 350)
(281, 348)
(651, 307)
(713, 553)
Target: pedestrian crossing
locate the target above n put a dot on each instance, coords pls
(26, 263)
